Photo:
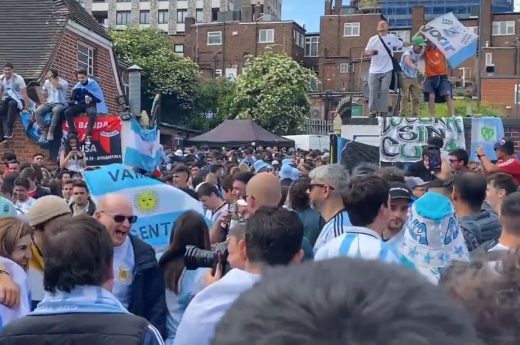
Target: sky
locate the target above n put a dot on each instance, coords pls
(304, 12)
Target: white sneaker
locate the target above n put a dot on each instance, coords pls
(50, 136)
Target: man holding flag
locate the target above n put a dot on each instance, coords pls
(448, 41)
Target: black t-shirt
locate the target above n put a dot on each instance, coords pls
(418, 169)
(190, 192)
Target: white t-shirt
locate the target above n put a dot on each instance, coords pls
(24, 207)
(15, 84)
(55, 95)
(123, 265)
(381, 63)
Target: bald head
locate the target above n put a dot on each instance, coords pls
(263, 189)
(114, 199)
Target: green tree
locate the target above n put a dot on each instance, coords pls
(273, 91)
(214, 101)
(173, 76)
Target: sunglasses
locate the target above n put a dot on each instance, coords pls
(120, 218)
(319, 185)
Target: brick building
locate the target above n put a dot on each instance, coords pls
(58, 34)
(344, 32)
(221, 48)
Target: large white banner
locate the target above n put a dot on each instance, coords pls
(455, 41)
(402, 139)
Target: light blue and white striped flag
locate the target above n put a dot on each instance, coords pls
(156, 204)
(140, 147)
(457, 42)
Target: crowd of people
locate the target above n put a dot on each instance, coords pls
(386, 74)
(290, 249)
(86, 96)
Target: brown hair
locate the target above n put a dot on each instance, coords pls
(11, 230)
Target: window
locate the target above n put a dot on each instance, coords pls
(162, 17)
(312, 46)
(124, 1)
(181, 16)
(145, 0)
(144, 17)
(214, 38)
(266, 36)
(199, 15)
(351, 29)
(179, 49)
(86, 58)
(503, 28)
(214, 14)
(517, 94)
(404, 35)
(473, 28)
(123, 17)
(489, 59)
(218, 73)
(343, 68)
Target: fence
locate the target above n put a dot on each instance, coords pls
(321, 127)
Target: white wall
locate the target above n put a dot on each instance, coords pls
(308, 142)
(366, 134)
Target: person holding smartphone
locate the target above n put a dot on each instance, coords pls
(72, 157)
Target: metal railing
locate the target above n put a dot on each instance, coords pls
(320, 127)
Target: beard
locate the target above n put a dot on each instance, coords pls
(316, 205)
(395, 225)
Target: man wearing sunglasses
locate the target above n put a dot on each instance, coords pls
(138, 282)
(326, 189)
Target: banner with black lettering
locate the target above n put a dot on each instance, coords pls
(456, 42)
(402, 139)
(105, 146)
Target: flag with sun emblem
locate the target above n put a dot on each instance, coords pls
(156, 204)
(140, 147)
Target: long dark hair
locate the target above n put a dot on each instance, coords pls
(67, 143)
(298, 197)
(190, 230)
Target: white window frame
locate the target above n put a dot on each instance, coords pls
(179, 52)
(496, 26)
(517, 94)
(218, 73)
(89, 65)
(473, 28)
(266, 38)
(489, 59)
(353, 27)
(128, 15)
(215, 34)
(404, 35)
(310, 42)
(165, 16)
(344, 67)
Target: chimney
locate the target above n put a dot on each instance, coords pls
(246, 14)
(188, 25)
(134, 89)
(417, 18)
(328, 7)
(338, 6)
(485, 21)
(258, 12)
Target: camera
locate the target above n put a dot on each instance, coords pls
(195, 257)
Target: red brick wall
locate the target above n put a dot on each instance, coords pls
(500, 92)
(66, 62)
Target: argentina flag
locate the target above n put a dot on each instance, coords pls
(156, 204)
(456, 42)
(140, 147)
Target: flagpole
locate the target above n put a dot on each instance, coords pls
(479, 50)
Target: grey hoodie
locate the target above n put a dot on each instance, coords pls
(480, 229)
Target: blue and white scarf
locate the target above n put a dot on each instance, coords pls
(82, 299)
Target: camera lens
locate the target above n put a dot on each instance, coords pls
(195, 258)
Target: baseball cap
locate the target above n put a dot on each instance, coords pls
(505, 144)
(418, 40)
(399, 190)
(47, 208)
(413, 182)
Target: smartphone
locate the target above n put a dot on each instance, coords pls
(434, 156)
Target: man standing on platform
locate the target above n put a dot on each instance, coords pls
(410, 82)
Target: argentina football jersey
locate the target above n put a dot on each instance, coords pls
(333, 228)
